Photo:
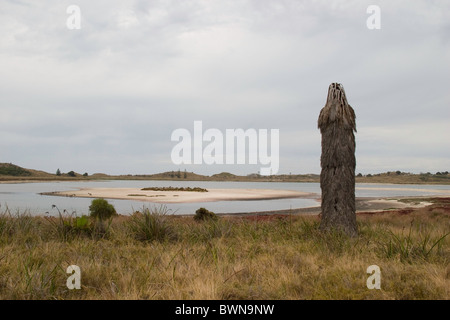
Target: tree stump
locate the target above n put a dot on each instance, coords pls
(337, 178)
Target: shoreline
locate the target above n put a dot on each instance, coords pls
(364, 204)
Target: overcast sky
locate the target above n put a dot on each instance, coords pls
(107, 97)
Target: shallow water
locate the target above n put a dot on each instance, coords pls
(25, 196)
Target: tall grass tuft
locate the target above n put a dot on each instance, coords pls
(151, 224)
(68, 226)
(411, 247)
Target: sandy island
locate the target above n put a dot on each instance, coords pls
(183, 196)
(363, 204)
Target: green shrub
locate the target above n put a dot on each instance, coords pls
(204, 214)
(101, 209)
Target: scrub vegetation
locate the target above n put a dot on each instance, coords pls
(153, 255)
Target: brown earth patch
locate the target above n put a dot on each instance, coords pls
(439, 205)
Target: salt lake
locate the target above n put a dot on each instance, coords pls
(19, 197)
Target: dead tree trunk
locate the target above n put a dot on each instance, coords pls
(337, 178)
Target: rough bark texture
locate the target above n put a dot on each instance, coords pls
(337, 178)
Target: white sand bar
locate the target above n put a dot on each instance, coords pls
(183, 196)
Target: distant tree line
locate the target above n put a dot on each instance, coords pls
(443, 173)
(177, 174)
(70, 173)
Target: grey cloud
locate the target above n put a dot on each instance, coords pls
(116, 89)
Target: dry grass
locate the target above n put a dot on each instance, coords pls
(232, 258)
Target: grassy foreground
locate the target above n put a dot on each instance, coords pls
(153, 256)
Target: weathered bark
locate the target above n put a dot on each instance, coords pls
(337, 178)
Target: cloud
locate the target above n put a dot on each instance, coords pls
(106, 98)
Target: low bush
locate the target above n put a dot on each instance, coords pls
(204, 214)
